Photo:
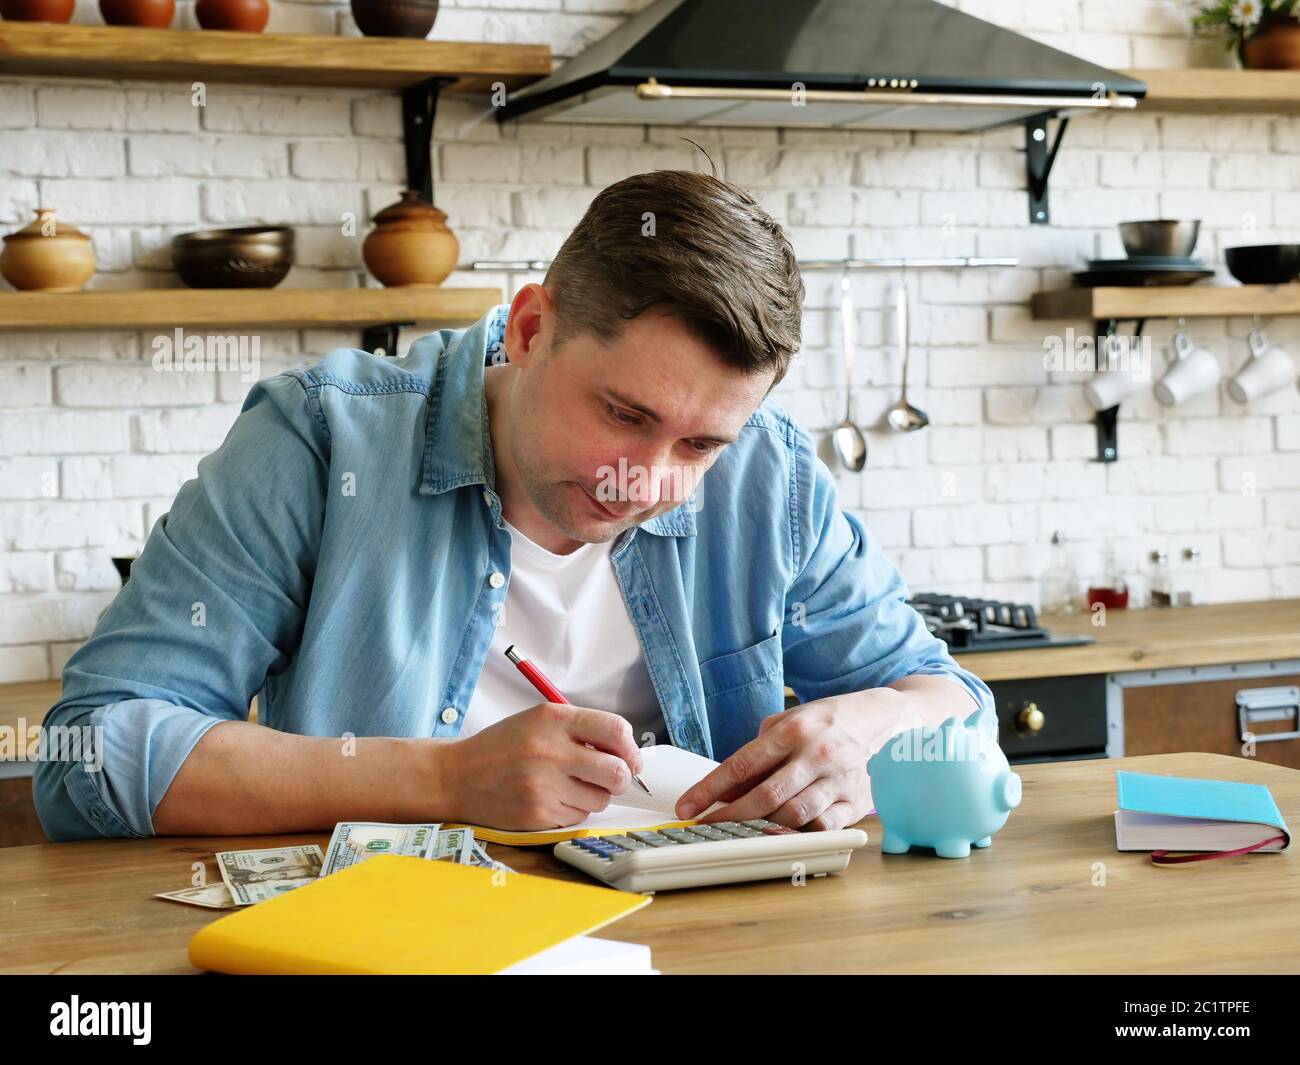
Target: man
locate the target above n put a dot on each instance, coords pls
(373, 533)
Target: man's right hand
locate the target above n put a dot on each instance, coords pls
(533, 770)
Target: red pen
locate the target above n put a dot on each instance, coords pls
(548, 691)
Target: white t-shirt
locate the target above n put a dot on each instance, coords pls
(566, 614)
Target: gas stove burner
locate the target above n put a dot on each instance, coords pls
(974, 624)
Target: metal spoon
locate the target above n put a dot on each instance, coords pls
(850, 444)
(903, 417)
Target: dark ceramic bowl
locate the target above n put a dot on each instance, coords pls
(240, 257)
(395, 18)
(1264, 264)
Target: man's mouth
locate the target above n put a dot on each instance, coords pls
(600, 509)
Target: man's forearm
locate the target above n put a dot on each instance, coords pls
(921, 699)
(243, 778)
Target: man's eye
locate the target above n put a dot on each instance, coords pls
(622, 416)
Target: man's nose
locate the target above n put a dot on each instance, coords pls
(645, 481)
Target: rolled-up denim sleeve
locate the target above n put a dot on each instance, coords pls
(848, 626)
(214, 603)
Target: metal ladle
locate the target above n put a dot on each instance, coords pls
(850, 444)
(903, 417)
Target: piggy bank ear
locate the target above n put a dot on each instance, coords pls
(984, 718)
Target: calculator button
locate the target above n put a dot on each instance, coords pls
(759, 824)
(710, 833)
(680, 835)
(628, 843)
(737, 831)
(779, 830)
(651, 839)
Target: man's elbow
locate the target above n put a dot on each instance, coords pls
(60, 819)
(69, 806)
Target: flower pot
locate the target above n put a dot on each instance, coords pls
(37, 10)
(156, 14)
(394, 18)
(1275, 44)
(47, 256)
(248, 16)
(410, 244)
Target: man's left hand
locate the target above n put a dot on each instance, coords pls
(807, 768)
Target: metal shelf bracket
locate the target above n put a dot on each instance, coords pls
(419, 109)
(1039, 160)
(382, 339)
(1107, 421)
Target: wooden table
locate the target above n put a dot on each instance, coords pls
(1028, 903)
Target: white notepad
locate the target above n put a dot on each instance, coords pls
(587, 956)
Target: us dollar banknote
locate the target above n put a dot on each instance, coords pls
(255, 876)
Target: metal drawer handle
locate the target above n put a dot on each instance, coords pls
(1268, 704)
(1030, 719)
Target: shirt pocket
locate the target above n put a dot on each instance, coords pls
(758, 664)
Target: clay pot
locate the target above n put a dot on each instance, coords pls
(156, 14)
(47, 256)
(1275, 44)
(411, 244)
(394, 18)
(248, 16)
(37, 10)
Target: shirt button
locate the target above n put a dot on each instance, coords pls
(449, 715)
(497, 579)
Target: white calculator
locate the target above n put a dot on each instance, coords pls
(725, 852)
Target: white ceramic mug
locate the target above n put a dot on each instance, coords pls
(1268, 369)
(1109, 385)
(1193, 371)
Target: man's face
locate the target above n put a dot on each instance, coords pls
(656, 398)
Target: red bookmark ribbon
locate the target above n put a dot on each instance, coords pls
(1161, 857)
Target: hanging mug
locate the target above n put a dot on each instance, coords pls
(1193, 371)
(1268, 369)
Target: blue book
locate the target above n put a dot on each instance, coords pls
(1188, 814)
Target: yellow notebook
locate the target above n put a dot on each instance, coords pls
(668, 772)
(394, 914)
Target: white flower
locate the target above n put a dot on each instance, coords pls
(1246, 13)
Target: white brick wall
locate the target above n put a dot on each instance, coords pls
(94, 444)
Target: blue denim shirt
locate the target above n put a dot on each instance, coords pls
(342, 553)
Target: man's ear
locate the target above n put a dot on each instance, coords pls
(530, 325)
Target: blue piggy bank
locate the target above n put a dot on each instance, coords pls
(948, 787)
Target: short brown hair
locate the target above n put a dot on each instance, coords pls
(694, 245)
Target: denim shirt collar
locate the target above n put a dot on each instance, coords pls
(458, 440)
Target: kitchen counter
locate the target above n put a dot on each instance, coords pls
(1153, 639)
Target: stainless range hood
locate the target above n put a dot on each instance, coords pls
(851, 64)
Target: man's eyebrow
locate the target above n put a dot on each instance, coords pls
(619, 398)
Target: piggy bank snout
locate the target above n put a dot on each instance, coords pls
(1006, 790)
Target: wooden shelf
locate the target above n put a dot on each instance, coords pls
(1184, 301)
(259, 308)
(35, 48)
(1214, 90)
